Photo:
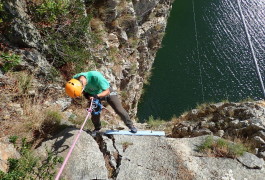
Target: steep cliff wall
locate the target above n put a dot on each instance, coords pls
(129, 33)
(135, 29)
(38, 54)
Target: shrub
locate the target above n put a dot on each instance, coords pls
(206, 144)
(53, 74)
(1, 12)
(24, 80)
(9, 61)
(13, 139)
(38, 122)
(50, 10)
(133, 41)
(65, 30)
(51, 123)
(154, 123)
(68, 45)
(53, 117)
(237, 149)
(221, 148)
(133, 69)
(4, 16)
(248, 99)
(29, 166)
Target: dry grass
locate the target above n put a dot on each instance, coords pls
(113, 53)
(25, 115)
(35, 123)
(123, 6)
(24, 82)
(125, 145)
(97, 26)
(177, 120)
(183, 171)
(133, 42)
(221, 148)
(80, 115)
(39, 122)
(160, 125)
(155, 123)
(245, 141)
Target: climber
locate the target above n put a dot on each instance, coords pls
(93, 85)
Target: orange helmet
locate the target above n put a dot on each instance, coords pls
(73, 88)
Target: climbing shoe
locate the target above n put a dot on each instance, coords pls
(133, 129)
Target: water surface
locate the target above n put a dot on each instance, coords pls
(206, 57)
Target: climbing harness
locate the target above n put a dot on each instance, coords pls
(251, 47)
(89, 110)
(96, 107)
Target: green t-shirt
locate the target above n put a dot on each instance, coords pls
(96, 83)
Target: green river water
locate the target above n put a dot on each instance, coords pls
(205, 57)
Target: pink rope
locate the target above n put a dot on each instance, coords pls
(73, 145)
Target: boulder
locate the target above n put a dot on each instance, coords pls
(144, 8)
(251, 161)
(22, 32)
(7, 150)
(145, 157)
(204, 168)
(86, 160)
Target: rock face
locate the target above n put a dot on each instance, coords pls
(251, 161)
(204, 168)
(7, 151)
(22, 32)
(86, 161)
(23, 38)
(145, 157)
(136, 28)
(115, 157)
(130, 31)
(158, 162)
(245, 120)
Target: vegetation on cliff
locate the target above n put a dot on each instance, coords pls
(74, 36)
(29, 166)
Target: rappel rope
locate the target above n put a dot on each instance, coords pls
(197, 47)
(89, 110)
(251, 47)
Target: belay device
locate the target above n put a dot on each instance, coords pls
(96, 107)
